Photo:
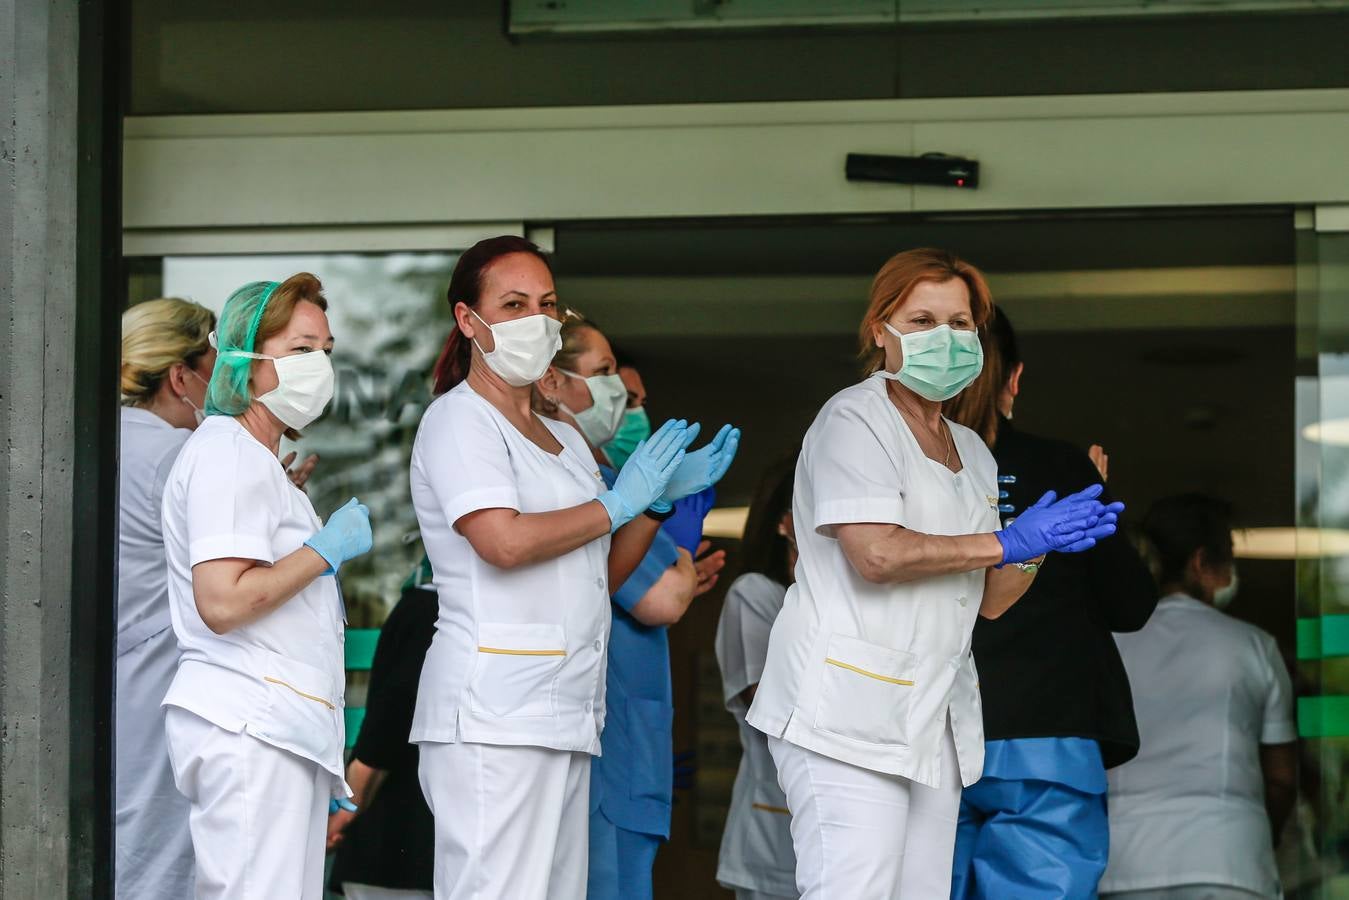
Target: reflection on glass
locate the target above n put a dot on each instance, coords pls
(1321, 838)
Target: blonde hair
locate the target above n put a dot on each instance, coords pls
(156, 335)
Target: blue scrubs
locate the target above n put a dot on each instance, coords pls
(1035, 825)
(631, 783)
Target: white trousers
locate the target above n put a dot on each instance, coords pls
(865, 835)
(512, 823)
(259, 814)
(154, 846)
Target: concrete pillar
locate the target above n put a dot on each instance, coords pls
(55, 545)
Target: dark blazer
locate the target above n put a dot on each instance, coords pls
(1048, 667)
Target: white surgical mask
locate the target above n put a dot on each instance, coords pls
(304, 385)
(1223, 596)
(599, 423)
(938, 363)
(198, 413)
(524, 347)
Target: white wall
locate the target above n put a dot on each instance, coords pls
(353, 171)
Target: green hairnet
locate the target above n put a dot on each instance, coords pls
(235, 336)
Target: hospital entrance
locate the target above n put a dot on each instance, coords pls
(1198, 346)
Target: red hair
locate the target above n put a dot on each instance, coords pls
(897, 279)
(466, 287)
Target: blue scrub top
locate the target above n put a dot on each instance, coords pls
(632, 781)
(1071, 761)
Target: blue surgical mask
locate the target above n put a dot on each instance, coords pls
(634, 429)
(938, 363)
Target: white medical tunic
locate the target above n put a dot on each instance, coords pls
(1190, 808)
(868, 673)
(756, 845)
(154, 848)
(519, 655)
(281, 678)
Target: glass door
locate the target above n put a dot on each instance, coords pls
(1321, 829)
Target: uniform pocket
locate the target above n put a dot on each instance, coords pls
(866, 691)
(517, 669)
(303, 712)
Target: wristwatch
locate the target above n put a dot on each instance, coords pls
(658, 516)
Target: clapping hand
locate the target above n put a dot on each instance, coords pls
(1070, 525)
(702, 468)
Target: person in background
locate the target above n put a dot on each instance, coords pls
(631, 781)
(1057, 707)
(166, 365)
(1192, 817)
(869, 697)
(686, 524)
(254, 723)
(525, 540)
(756, 859)
(385, 848)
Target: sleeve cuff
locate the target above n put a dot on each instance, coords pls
(482, 498)
(230, 546)
(849, 512)
(1278, 733)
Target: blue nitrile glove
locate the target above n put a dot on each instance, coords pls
(337, 803)
(1070, 525)
(645, 474)
(345, 536)
(701, 469)
(685, 524)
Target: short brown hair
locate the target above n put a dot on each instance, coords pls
(897, 279)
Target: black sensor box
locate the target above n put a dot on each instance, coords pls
(931, 168)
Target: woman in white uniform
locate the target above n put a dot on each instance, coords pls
(869, 698)
(166, 364)
(756, 858)
(254, 718)
(517, 523)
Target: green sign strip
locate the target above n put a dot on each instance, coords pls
(1323, 637)
(1322, 717)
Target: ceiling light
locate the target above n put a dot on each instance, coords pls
(726, 522)
(1334, 432)
(1290, 543)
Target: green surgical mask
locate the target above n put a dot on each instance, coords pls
(938, 363)
(634, 429)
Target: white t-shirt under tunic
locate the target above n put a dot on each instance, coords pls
(868, 673)
(519, 655)
(280, 678)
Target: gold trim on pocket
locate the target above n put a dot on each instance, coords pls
(780, 810)
(270, 680)
(852, 668)
(501, 652)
